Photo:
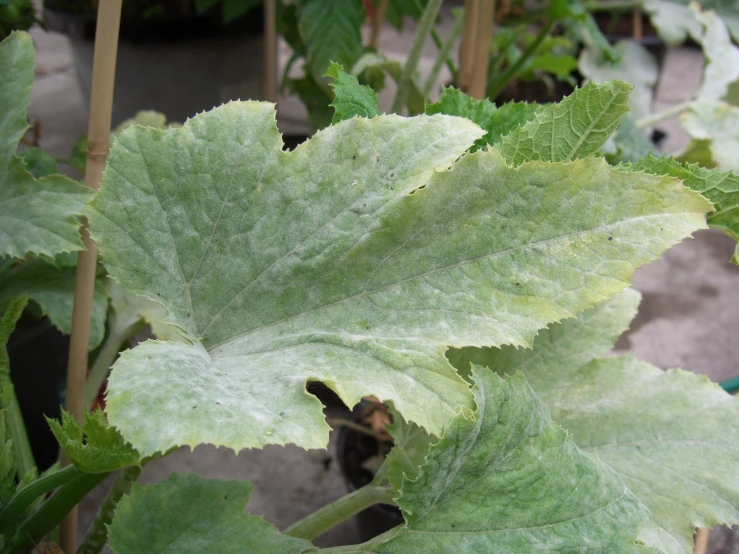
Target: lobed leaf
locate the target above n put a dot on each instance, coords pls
(572, 129)
(671, 436)
(351, 99)
(94, 447)
(37, 216)
(189, 514)
(351, 260)
(510, 480)
(719, 187)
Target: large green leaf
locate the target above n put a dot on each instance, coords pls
(189, 514)
(510, 480)
(349, 260)
(720, 188)
(52, 288)
(572, 129)
(671, 436)
(496, 121)
(331, 29)
(94, 446)
(717, 124)
(636, 66)
(37, 216)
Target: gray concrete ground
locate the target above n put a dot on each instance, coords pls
(688, 317)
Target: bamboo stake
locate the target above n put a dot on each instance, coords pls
(380, 10)
(270, 51)
(637, 26)
(482, 48)
(98, 134)
(467, 49)
(701, 541)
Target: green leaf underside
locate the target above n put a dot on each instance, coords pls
(352, 99)
(572, 129)
(52, 288)
(337, 262)
(496, 121)
(187, 513)
(511, 481)
(721, 188)
(331, 29)
(37, 216)
(671, 436)
(94, 447)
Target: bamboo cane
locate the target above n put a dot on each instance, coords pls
(701, 541)
(270, 51)
(637, 25)
(98, 133)
(380, 10)
(482, 48)
(467, 48)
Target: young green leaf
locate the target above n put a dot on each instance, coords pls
(189, 514)
(94, 447)
(510, 480)
(331, 29)
(38, 162)
(643, 422)
(496, 121)
(572, 129)
(410, 445)
(351, 260)
(52, 288)
(716, 123)
(37, 216)
(720, 188)
(351, 99)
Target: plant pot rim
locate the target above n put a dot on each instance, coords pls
(160, 29)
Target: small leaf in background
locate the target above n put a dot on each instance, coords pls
(643, 422)
(189, 514)
(38, 162)
(510, 480)
(574, 128)
(636, 66)
(332, 31)
(675, 21)
(52, 288)
(94, 447)
(722, 189)
(351, 99)
(410, 446)
(717, 125)
(628, 144)
(373, 62)
(37, 216)
(496, 121)
(722, 57)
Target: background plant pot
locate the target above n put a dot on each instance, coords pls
(38, 367)
(179, 66)
(353, 449)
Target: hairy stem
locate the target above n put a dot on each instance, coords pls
(105, 358)
(672, 111)
(509, 74)
(327, 517)
(443, 56)
(25, 497)
(424, 28)
(97, 535)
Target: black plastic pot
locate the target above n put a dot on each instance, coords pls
(353, 449)
(38, 367)
(179, 66)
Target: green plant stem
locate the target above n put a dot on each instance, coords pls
(440, 44)
(25, 464)
(424, 28)
(443, 56)
(510, 73)
(97, 535)
(53, 510)
(27, 495)
(105, 358)
(664, 114)
(612, 5)
(332, 514)
(335, 421)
